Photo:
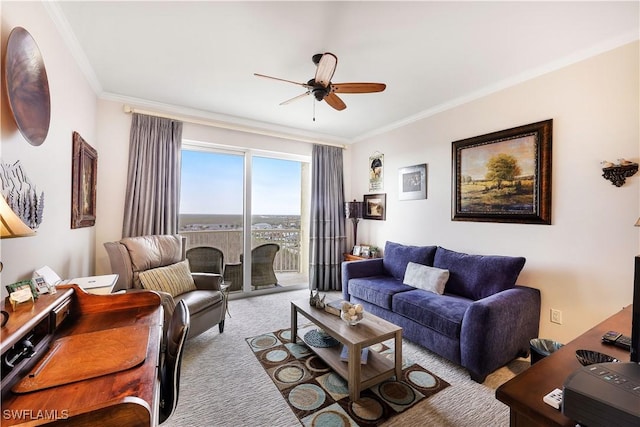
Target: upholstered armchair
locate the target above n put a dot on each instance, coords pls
(158, 263)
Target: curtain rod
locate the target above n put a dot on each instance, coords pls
(130, 110)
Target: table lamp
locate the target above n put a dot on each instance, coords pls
(10, 224)
(353, 211)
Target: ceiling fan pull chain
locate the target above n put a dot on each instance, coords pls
(314, 109)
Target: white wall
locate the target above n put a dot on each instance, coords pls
(48, 166)
(583, 262)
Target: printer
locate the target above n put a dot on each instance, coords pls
(603, 394)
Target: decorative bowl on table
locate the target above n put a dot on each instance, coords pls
(589, 357)
(352, 314)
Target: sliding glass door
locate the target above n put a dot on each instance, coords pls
(278, 227)
(224, 192)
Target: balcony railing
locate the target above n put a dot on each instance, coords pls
(230, 243)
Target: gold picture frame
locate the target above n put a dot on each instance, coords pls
(83, 183)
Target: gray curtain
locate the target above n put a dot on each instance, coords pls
(153, 182)
(328, 240)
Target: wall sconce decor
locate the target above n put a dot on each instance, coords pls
(618, 173)
(10, 224)
(353, 211)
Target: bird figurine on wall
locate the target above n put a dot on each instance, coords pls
(606, 164)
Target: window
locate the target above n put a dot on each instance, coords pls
(215, 198)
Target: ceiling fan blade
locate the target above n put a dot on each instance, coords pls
(357, 87)
(326, 68)
(295, 98)
(283, 80)
(333, 100)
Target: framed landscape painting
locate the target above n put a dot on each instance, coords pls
(504, 176)
(375, 206)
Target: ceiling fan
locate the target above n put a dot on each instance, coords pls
(321, 87)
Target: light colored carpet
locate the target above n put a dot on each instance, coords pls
(224, 385)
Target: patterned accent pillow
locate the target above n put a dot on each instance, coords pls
(174, 279)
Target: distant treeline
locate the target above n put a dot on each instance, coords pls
(235, 221)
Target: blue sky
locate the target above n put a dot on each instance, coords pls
(212, 184)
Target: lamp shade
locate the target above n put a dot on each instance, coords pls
(10, 224)
(353, 209)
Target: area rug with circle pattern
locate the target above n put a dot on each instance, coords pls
(319, 397)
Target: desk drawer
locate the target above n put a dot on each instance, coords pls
(60, 313)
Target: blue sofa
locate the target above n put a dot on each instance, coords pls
(481, 320)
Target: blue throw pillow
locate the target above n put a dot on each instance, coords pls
(397, 256)
(478, 276)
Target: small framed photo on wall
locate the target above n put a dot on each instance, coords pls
(375, 206)
(376, 171)
(412, 182)
(83, 183)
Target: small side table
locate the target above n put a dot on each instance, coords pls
(350, 257)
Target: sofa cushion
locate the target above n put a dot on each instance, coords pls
(442, 313)
(430, 279)
(377, 290)
(175, 279)
(397, 256)
(478, 276)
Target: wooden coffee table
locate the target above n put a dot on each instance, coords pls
(371, 330)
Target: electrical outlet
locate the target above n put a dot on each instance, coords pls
(556, 316)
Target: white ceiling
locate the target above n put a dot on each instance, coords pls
(198, 58)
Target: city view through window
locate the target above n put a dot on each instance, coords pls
(212, 205)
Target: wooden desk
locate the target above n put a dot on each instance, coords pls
(523, 394)
(126, 398)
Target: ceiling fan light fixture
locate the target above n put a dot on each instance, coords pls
(322, 88)
(319, 94)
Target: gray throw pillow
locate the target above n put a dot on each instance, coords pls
(430, 279)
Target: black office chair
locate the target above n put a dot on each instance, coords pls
(170, 368)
